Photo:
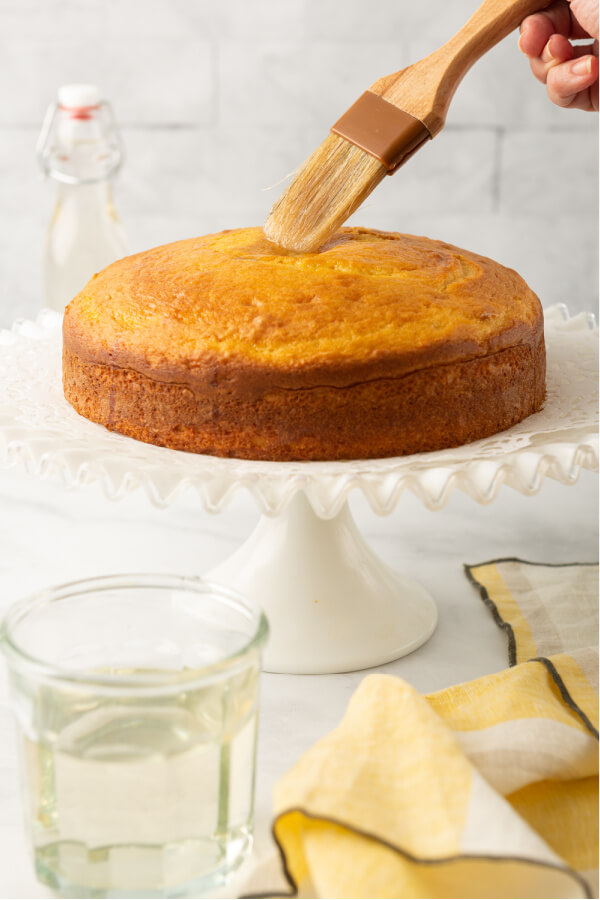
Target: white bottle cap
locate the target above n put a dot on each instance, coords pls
(78, 96)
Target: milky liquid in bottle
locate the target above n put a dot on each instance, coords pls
(80, 148)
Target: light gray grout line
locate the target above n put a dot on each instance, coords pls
(497, 171)
(166, 126)
(523, 129)
(134, 126)
(216, 82)
(19, 126)
(214, 121)
(458, 127)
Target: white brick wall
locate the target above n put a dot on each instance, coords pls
(218, 101)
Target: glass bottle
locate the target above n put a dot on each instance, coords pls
(80, 147)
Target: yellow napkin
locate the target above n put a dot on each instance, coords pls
(486, 789)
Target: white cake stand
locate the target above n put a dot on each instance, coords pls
(333, 606)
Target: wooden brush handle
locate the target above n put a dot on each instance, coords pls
(426, 88)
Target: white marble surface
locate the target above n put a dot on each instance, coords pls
(49, 535)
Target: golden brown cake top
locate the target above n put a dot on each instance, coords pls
(366, 297)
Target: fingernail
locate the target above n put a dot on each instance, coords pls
(521, 36)
(581, 66)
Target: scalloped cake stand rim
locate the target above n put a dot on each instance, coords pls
(165, 473)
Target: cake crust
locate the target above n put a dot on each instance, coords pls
(378, 345)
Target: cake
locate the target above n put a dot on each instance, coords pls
(380, 344)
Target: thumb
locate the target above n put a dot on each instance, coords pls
(585, 13)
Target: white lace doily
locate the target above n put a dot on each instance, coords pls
(41, 430)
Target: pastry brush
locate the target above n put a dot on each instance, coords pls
(386, 125)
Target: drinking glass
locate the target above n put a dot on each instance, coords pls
(136, 699)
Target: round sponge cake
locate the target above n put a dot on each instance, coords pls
(380, 344)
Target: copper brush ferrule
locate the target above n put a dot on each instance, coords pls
(386, 132)
(383, 129)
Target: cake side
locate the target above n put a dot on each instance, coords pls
(431, 409)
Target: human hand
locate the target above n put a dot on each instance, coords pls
(569, 73)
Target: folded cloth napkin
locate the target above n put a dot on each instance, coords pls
(485, 789)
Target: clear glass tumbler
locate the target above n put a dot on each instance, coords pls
(137, 704)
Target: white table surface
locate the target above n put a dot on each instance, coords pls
(49, 535)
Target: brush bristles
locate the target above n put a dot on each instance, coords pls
(327, 189)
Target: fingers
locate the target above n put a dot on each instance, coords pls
(558, 50)
(557, 18)
(569, 73)
(586, 13)
(537, 30)
(571, 83)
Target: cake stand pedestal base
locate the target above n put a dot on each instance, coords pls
(332, 604)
